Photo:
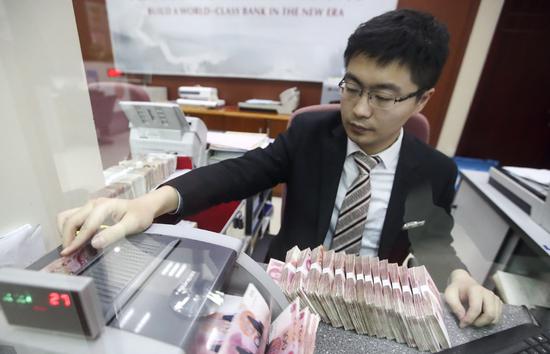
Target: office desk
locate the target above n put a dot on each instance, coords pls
(231, 118)
(489, 228)
(332, 340)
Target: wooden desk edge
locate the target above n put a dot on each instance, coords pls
(229, 112)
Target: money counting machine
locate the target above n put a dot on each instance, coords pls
(144, 294)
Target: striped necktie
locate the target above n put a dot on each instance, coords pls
(353, 213)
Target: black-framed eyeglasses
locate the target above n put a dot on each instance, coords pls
(382, 100)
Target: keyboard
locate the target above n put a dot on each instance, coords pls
(524, 339)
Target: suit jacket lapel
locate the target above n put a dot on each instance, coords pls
(333, 155)
(405, 177)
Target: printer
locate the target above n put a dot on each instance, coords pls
(199, 96)
(147, 293)
(162, 127)
(529, 197)
(288, 102)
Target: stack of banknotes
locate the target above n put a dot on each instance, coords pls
(365, 294)
(133, 178)
(243, 325)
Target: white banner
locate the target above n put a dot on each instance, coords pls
(300, 40)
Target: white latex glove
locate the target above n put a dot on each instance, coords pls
(484, 307)
(130, 217)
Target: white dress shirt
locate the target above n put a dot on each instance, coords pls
(381, 180)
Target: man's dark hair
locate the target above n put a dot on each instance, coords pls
(412, 38)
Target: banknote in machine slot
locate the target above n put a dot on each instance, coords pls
(75, 263)
(118, 270)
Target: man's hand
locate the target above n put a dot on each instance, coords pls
(130, 217)
(484, 307)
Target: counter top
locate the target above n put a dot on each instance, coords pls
(332, 340)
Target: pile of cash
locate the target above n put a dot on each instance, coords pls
(133, 178)
(365, 294)
(243, 325)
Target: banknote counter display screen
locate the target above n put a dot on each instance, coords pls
(38, 301)
(51, 303)
(47, 308)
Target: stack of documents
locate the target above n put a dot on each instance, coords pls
(538, 179)
(236, 141)
(21, 246)
(365, 294)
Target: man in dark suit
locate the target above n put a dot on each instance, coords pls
(355, 180)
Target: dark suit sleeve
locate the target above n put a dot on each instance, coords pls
(448, 194)
(432, 243)
(445, 201)
(238, 178)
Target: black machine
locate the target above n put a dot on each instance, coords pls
(525, 338)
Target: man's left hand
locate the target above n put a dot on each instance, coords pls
(484, 307)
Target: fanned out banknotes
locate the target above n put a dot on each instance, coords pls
(243, 325)
(365, 294)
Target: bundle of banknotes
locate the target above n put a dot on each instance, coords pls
(365, 294)
(133, 178)
(243, 325)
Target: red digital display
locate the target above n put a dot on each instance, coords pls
(56, 299)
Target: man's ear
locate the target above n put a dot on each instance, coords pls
(423, 100)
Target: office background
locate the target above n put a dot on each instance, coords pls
(95, 39)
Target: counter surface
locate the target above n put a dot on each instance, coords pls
(332, 340)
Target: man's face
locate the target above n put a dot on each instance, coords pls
(375, 129)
